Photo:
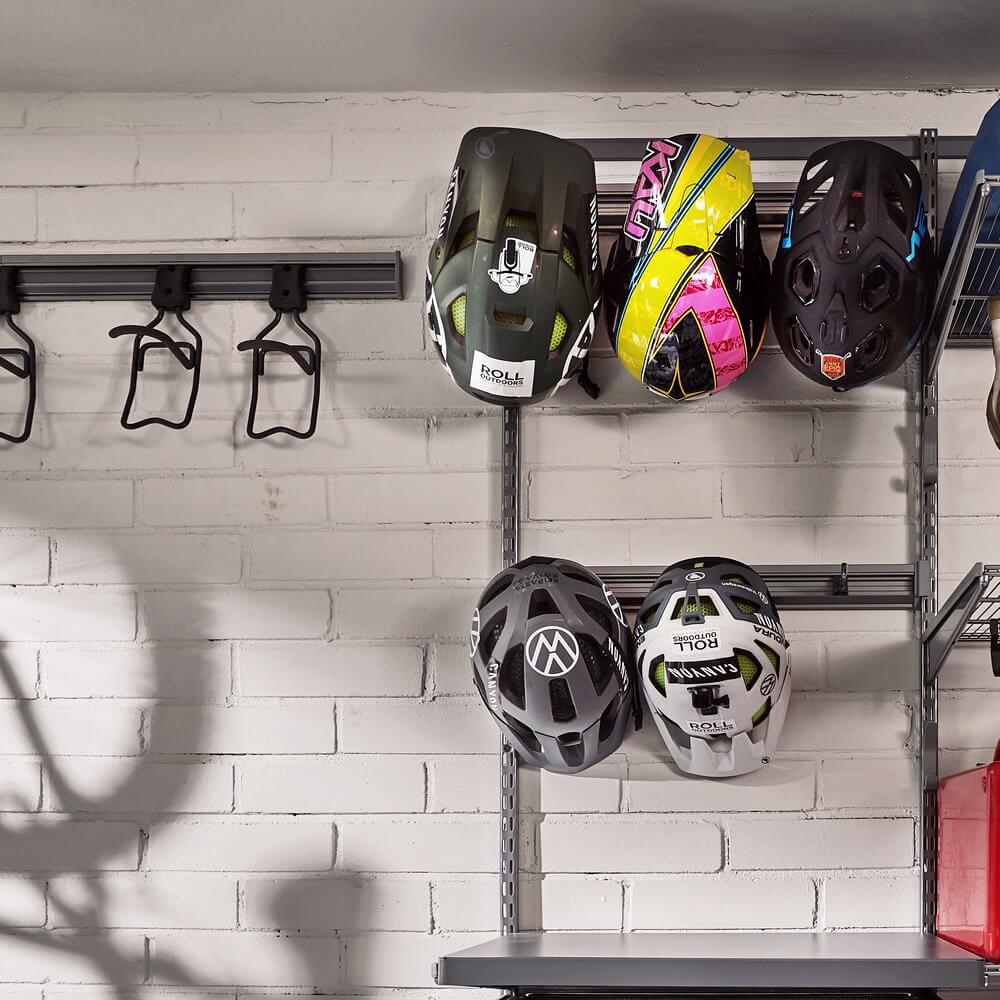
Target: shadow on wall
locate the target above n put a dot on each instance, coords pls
(59, 844)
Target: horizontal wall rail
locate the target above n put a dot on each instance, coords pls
(96, 277)
(799, 588)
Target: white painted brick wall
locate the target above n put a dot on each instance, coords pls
(240, 752)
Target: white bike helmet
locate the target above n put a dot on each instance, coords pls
(712, 661)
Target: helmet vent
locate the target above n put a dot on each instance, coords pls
(658, 674)
(575, 574)
(750, 668)
(894, 207)
(509, 318)
(871, 350)
(597, 661)
(878, 287)
(735, 578)
(762, 713)
(746, 607)
(851, 214)
(523, 733)
(511, 679)
(805, 280)
(490, 635)
(563, 709)
(541, 604)
(802, 346)
(457, 312)
(600, 613)
(559, 327)
(499, 586)
(704, 605)
(771, 655)
(608, 719)
(466, 234)
(648, 615)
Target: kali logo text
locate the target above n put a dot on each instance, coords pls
(513, 269)
(552, 651)
(474, 633)
(449, 204)
(654, 175)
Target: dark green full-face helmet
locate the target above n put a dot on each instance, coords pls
(514, 276)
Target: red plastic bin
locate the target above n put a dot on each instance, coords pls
(969, 859)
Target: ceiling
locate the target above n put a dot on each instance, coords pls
(294, 46)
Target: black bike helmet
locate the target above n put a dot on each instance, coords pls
(552, 660)
(514, 276)
(855, 275)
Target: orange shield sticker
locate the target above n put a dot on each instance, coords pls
(833, 366)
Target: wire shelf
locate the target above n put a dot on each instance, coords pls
(981, 282)
(985, 610)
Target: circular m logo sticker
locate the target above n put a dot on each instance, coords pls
(552, 651)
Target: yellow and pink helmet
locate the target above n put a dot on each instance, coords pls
(686, 287)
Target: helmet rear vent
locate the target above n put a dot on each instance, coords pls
(541, 604)
(563, 709)
(511, 679)
(601, 614)
(578, 575)
(489, 635)
(871, 350)
(802, 346)
(598, 663)
(878, 286)
(771, 655)
(509, 318)
(608, 719)
(746, 607)
(750, 668)
(499, 586)
(805, 280)
(523, 733)
(704, 605)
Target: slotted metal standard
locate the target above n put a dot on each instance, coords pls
(525, 962)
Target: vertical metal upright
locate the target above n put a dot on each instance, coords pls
(928, 556)
(510, 541)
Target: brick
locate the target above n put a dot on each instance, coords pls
(183, 673)
(233, 157)
(555, 441)
(853, 783)
(452, 671)
(342, 905)
(21, 781)
(340, 555)
(963, 375)
(67, 957)
(323, 210)
(468, 443)
(609, 844)
(22, 904)
(806, 657)
(963, 543)
(60, 844)
(24, 559)
(399, 959)
(969, 489)
(404, 613)
(80, 386)
(850, 539)
(197, 501)
(86, 111)
(466, 554)
(97, 785)
(327, 670)
(19, 212)
(659, 438)
(812, 491)
(588, 544)
(74, 504)
(427, 844)
(824, 724)
(666, 541)
(860, 436)
(160, 558)
(966, 435)
(236, 614)
(419, 497)
(581, 793)
(245, 959)
(60, 160)
(69, 729)
(611, 494)
(368, 155)
(259, 729)
(872, 901)
(388, 784)
(154, 214)
(821, 843)
(141, 900)
(465, 784)
(652, 787)
(470, 903)
(967, 668)
(968, 720)
(730, 903)
(384, 385)
(581, 904)
(87, 445)
(449, 725)
(240, 846)
(873, 662)
(345, 444)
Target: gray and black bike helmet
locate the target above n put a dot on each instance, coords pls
(552, 660)
(514, 276)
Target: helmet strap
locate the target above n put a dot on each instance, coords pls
(590, 387)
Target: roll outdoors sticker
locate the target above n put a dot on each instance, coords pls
(501, 378)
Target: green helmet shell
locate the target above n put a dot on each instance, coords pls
(514, 275)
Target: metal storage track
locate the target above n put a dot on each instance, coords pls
(527, 962)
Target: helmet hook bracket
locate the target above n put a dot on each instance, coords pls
(171, 294)
(841, 586)
(17, 361)
(287, 297)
